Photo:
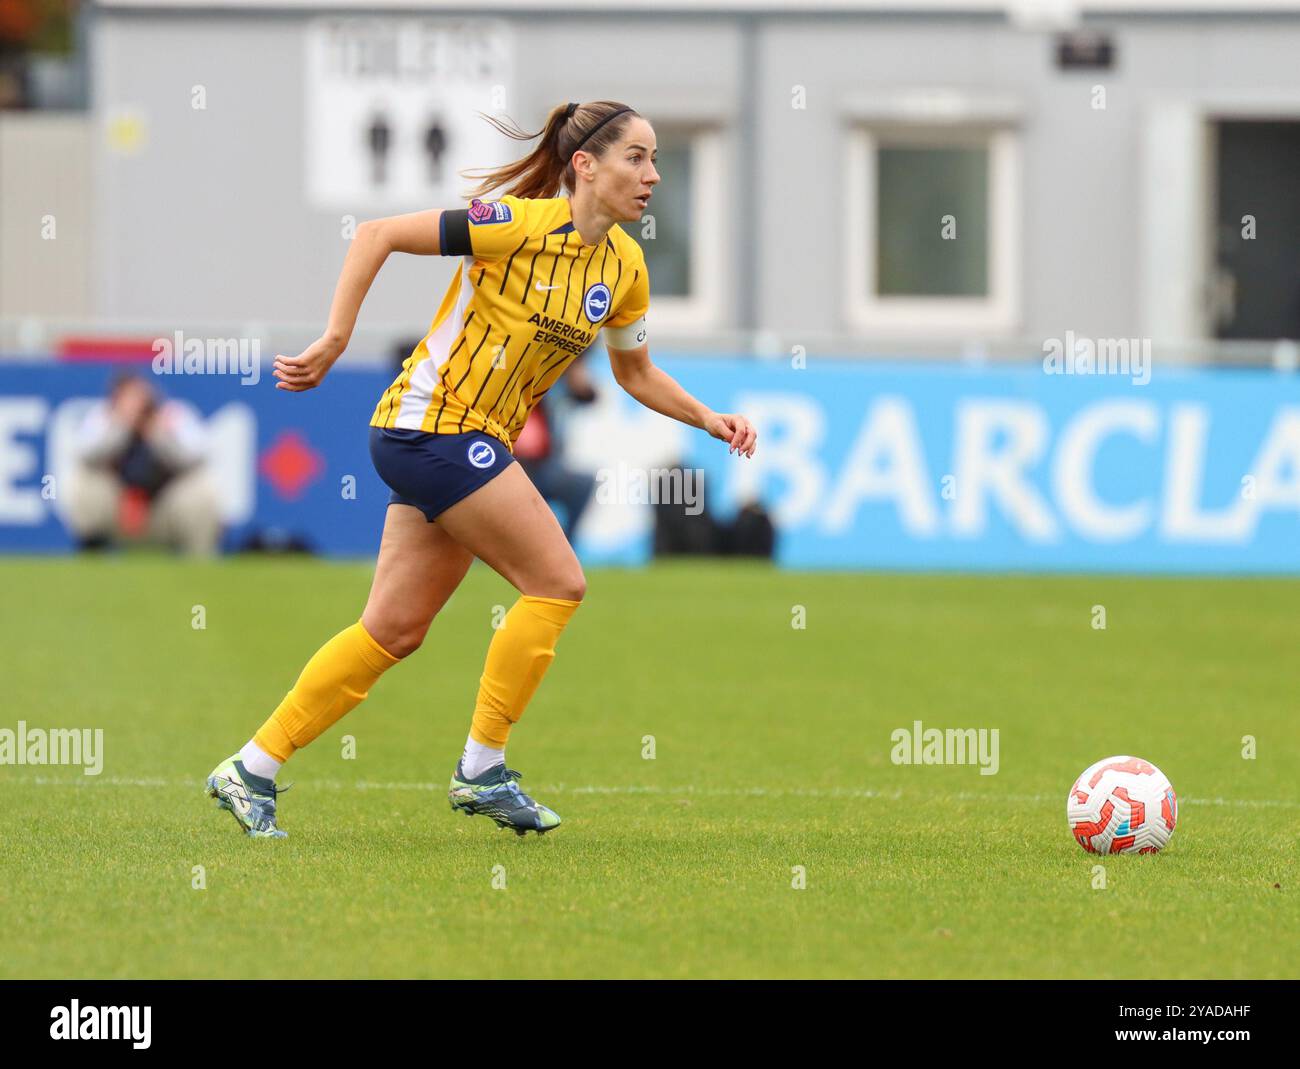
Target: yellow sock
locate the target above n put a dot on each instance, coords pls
(335, 680)
(521, 651)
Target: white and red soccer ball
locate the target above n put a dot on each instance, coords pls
(1122, 805)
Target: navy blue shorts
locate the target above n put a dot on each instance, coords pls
(434, 471)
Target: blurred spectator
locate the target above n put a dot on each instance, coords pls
(33, 33)
(140, 473)
(539, 449)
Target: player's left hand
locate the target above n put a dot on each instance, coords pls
(735, 430)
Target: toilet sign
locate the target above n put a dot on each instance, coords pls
(392, 109)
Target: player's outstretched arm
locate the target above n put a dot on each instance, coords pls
(656, 389)
(416, 232)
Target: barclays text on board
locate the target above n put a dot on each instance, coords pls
(949, 467)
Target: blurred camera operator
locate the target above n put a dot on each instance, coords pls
(140, 473)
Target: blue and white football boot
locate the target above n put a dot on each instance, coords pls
(495, 793)
(250, 799)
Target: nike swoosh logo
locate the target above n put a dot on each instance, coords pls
(543, 289)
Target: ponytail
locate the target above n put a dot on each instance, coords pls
(548, 169)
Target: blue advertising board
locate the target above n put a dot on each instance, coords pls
(863, 465)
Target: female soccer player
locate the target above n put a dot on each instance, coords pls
(541, 275)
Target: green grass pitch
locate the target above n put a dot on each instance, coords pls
(771, 751)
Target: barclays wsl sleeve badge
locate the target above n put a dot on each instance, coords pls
(493, 211)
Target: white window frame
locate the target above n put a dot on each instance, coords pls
(706, 304)
(870, 313)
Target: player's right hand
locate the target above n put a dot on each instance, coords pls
(735, 430)
(308, 368)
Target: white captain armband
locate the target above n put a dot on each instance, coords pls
(632, 336)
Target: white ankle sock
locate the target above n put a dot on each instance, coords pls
(478, 758)
(258, 761)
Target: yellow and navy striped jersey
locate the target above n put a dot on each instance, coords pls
(527, 297)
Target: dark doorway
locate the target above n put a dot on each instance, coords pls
(1259, 175)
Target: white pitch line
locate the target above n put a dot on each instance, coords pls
(711, 792)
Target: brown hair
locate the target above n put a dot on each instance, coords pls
(549, 167)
